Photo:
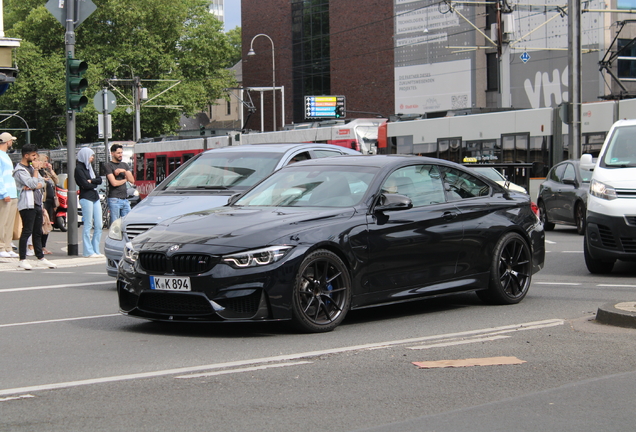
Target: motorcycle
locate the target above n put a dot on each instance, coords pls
(61, 210)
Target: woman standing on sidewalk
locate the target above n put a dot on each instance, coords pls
(87, 182)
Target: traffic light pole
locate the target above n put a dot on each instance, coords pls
(72, 233)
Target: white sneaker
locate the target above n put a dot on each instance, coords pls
(5, 254)
(48, 263)
(30, 252)
(25, 265)
(13, 254)
(95, 255)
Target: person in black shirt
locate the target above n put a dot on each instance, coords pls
(117, 174)
(87, 183)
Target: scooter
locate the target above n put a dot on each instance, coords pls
(61, 210)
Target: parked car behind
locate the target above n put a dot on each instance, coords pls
(321, 237)
(208, 180)
(563, 196)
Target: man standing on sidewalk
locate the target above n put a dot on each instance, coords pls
(117, 174)
(30, 183)
(8, 197)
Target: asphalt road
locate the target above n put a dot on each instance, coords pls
(69, 362)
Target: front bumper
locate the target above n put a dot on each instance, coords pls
(113, 249)
(220, 294)
(611, 237)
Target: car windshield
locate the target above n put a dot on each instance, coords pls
(489, 172)
(224, 170)
(315, 186)
(586, 175)
(621, 150)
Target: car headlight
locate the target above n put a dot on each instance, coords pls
(115, 232)
(256, 257)
(601, 190)
(130, 254)
(136, 193)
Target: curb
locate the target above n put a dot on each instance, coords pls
(618, 314)
(11, 264)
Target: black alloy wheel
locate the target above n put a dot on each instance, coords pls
(322, 293)
(510, 272)
(579, 218)
(543, 215)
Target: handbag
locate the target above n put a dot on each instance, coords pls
(47, 227)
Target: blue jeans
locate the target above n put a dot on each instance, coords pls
(92, 217)
(118, 208)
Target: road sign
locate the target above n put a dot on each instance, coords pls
(98, 101)
(83, 9)
(324, 107)
(101, 127)
(525, 57)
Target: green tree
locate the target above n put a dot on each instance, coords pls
(234, 36)
(154, 40)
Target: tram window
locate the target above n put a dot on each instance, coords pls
(139, 167)
(187, 157)
(627, 59)
(150, 169)
(173, 164)
(160, 169)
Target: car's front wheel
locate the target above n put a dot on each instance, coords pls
(510, 271)
(579, 218)
(322, 292)
(596, 266)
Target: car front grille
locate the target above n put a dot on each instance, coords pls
(247, 305)
(133, 230)
(630, 220)
(157, 262)
(629, 244)
(607, 238)
(174, 303)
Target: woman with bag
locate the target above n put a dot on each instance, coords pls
(87, 182)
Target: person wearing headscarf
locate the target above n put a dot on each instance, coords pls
(87, 183)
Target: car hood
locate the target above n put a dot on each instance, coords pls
(240, 227)
(622, 178)
(156, 208)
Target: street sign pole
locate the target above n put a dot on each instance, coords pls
(69, 39)
(105, 113)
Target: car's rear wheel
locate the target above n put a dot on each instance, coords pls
(322, 292)
(543, 215)
(596, 266)
(579, 218)
(510, 271)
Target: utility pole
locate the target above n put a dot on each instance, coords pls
(72, 233)
(137, 104)
(574, 63)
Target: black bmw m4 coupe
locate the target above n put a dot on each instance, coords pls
(322, 237)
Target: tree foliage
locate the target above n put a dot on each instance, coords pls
(156, 40)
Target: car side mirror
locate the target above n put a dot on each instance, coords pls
(569, 181)
(393, 202)
(587, 162)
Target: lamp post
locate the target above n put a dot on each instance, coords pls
(251, 52)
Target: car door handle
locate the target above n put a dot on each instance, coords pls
(449, 215)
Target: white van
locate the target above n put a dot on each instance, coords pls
(610, 232)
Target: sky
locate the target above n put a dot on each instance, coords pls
(232, 14)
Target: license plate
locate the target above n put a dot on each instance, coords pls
(167, 283)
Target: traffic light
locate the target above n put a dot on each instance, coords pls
(76, 84)
(340, 112)
(7, 76)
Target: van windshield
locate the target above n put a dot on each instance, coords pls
(621, 150)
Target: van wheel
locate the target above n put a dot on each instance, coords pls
(596, 266)
(543, 215)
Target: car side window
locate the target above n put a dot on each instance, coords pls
(570, 173)
(462, 185)
(299, 157)
(326, 153)
(557, 173)
(421, 183)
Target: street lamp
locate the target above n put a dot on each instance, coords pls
(251, 52)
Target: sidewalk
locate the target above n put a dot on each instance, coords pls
(58, 244)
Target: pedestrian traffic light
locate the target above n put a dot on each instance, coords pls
(76, 84)
(7, 76)
(340, 112)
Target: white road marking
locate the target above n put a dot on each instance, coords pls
(574, 252)
(557, 283)
(58, 320)
(27, 396)
(616, 286)
(457, 342)
(55, 286)
(249, 369)
(550, 242)
(280, 358)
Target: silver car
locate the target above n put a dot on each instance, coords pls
(206, 181)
